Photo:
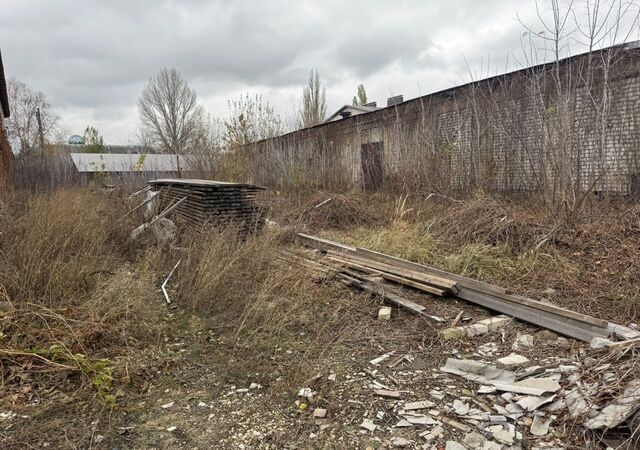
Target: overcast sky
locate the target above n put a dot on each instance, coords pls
(92, 58)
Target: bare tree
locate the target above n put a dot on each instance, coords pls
(22, 125)
(169, 113)
(251, 119)
(314, 102)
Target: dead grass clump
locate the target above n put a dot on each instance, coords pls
(486, 220)
(414, 242)
(325, 210)
(483, 262)
(69, 299)
(259, 304)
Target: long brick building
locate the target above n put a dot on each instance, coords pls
(562, 126)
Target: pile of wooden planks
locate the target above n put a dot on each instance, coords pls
(362, 267)
(215, 202)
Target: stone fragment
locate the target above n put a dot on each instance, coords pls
(400, 441)
(474, 440)
(486, 390)
(449, 334)
(424, 404)
(395, 395)
(540, 426)
(368, 424)
(403, 424)
(320, 413)
(384, 313)
(167, 405)
(533, 402)
(483, 373)
(511, 361)
(523, 340)
(477, 329)
(530, 386)
(620, 409)
(599, 342)
(495, 323)
(421, 420)
(461, 408)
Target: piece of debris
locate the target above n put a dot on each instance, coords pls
(474, 440)
(540, 425)
(488, 349)
(380, 359)
(620, 409)
(368, 424)
(395, 395)
(305, 393)
(453, 445)
(483, 373)
(530, 386)
(167, 405)
(599, 342)
(399, 441)
(319, 413)
(421, 420)
(403, 424)
(532, 402)
(172, 429)
(384, 313)
(461, 408)
(486, 390)
(522, 340)
(511, 361)
(424, 404)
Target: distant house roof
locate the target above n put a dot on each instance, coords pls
(4, 98)
(350, 110)
(126, 162)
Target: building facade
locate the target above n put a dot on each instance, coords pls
(563, 126)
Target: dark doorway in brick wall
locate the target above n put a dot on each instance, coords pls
(372, 158)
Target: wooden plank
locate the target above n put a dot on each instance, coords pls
(531, 315)
(573, 317)
(442, 283)
(391, 277)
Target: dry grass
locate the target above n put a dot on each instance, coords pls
(70, 300)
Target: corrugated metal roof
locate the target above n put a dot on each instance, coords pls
(132, 162)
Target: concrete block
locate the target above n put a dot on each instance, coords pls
(495, 323)
(384, 313)
(512, 361)
(453, 333)
(477, 329)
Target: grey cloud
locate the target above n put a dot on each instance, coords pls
(92, 57)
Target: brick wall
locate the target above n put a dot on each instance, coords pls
(552, 127)
(5, 157)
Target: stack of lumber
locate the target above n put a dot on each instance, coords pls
(215, 202)
(365, 266)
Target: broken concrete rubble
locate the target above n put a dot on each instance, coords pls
(483, 373)
(512, 361)
(479, 328)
